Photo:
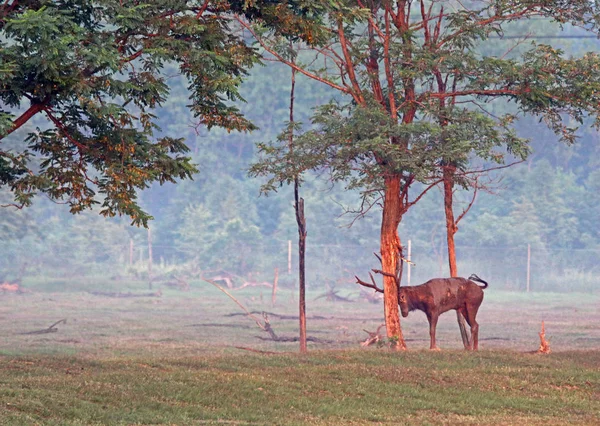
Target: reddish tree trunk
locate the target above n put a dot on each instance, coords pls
(390, 247)
(451, 229)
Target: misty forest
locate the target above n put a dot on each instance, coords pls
(217, 221)
(192, 177)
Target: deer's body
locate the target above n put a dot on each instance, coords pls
(440, 295)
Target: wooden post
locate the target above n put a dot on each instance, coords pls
(528, 266)
(289, 257)
(131, 252)
(408, 257)
(150, 258)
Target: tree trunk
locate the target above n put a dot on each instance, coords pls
(301, 267)
(301, 221)
(451, 229)
(390, 247)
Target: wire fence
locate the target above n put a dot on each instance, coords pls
(515, 268)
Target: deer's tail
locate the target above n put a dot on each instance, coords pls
(476, 278)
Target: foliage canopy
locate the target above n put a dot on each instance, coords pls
(96, 71)
(419, 88)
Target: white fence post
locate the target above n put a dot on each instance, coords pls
(409, 259)
(130, 252)
(150, 257)
(289, 256)
(528, 266)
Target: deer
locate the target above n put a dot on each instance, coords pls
(440, 295)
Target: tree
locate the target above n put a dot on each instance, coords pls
(94, 72)
(300, 222)
(413, 89)
(217, 241)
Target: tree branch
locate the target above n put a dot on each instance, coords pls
(202, 9)
(61, 127)
(17, 206)
(290, 64)
(365, 284)
(422, 194)
(424, 17)
(349, 65)
(466, 210)
(385, 274)
(25, 117)
(482, 171)
(132, 57)
(528, 11)
(389, 73)
(475, 92)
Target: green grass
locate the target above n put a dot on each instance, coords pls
(324, 388)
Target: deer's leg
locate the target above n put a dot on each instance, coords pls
(470, 317)
(433, 319)
(467, 341)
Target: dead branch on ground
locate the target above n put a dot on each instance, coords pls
(265, 327)
(313, 317)
(178, 283)
(374, 337)
(51, 329)
(157, 293)
(222, 275)
(297, 339)
(253, 284)
(333, 296)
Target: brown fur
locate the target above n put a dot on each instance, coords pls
(440, 295)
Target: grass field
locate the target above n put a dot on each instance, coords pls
(175, 360)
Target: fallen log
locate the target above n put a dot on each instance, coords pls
(157, 293)
(51, 329)
(293, 339)
(313, 317)
(253, 284)
(333, 296)
(374, 337)
(273, 314)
